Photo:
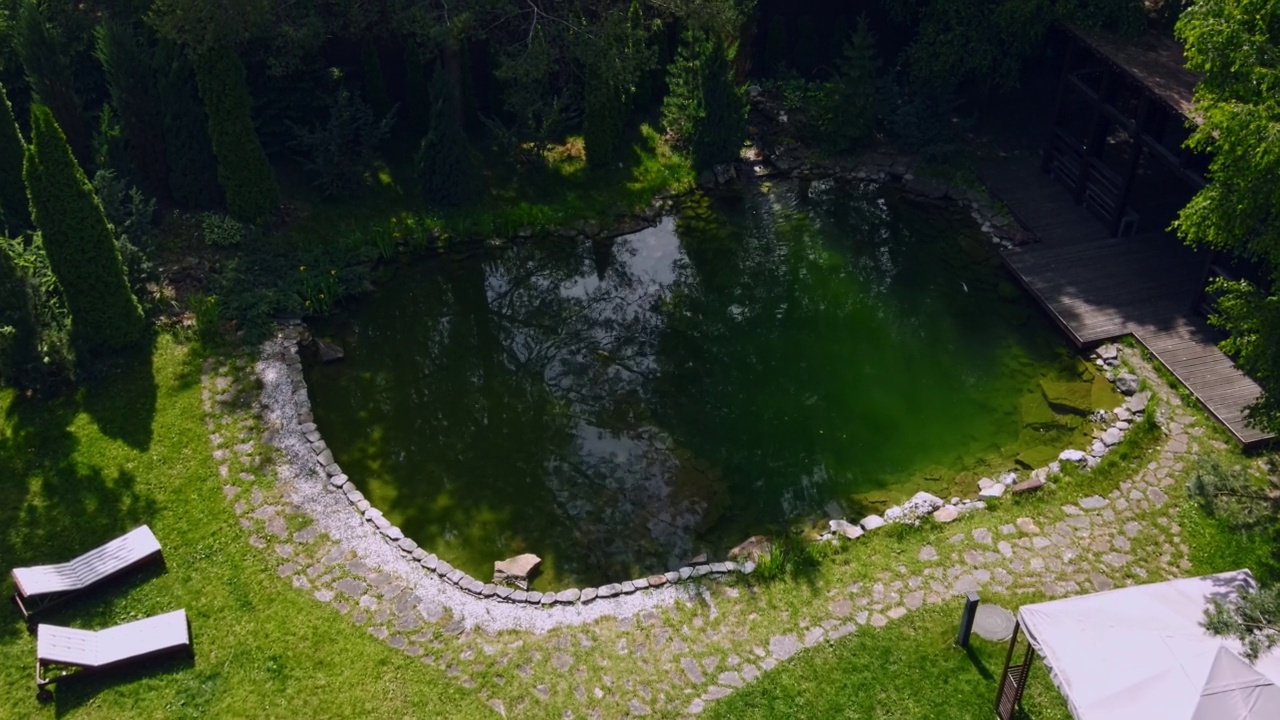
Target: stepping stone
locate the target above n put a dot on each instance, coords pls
(1026, 525)
(993, 623)
(982, 535)
(812, 637)
(691, 670)
(878, 620)
(896, 612)
(1093, 502)
(927, 553)
(730, 678)
(784, 646)
(841, 608)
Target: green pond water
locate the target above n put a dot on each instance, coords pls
(618, 406)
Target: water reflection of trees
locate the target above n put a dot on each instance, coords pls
(600, 404)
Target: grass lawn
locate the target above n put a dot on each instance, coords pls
(909, 669)
(132, 449)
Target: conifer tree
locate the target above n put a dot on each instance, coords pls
(704, 106)
(604, 115)
(244, 173)
(417, 101)
(775, 45)
(48, 72)
(445, 162)
(79, 243)
(13, 194)
(808, 50)
(193, 170)
(375, 89)
(131, 78)
(854, 92)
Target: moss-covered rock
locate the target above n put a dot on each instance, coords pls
(1034, 412)
(1036, 457)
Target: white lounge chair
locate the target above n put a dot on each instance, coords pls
(75, 652)
(42, 586)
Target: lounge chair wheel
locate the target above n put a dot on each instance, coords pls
(44, 695)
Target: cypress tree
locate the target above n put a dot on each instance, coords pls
(49, 74)
(19, 331)
(132, 80)
(375, 88)
(808, 50)
(13, 194)
(244, 173)
(79, 243)
(445, 162)
(604, 116)
(417, 102)
(704, 107)
(775, 45)
(854, 90)
(192, 168)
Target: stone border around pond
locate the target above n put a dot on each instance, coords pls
(1108, 358)
(286, 347)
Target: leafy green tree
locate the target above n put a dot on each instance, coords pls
(131, 78)
(19, 332)
(704, 107)
(244, 173)
(446, 164)
(776, 49)
(1236, 47)
(13, 194)
(48, 69)
(193, 170)
(79, 243)
(340, 152)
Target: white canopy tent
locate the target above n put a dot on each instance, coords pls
(1142, 652)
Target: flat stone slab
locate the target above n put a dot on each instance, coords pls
(994, 623)
(784, 646)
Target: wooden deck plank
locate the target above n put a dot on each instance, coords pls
(1098, 289)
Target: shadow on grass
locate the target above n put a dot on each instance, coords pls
(74, 691)
(122, 399)
(52, 507)
(978, 664)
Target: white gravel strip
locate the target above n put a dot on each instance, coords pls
(303, 483)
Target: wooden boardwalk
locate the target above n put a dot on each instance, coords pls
(1098, 288)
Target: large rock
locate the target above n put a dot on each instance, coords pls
(328, 352)
(946, 513)
(1075, 456)
(751, 549)
(725, 173)
(1112, 436)
(847, 529)
(1138, 402)
(994, 491)
(516, 569)
(1127, 383)
(871, 522)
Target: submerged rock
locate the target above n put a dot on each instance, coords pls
(1068, 397)
(328, 352)
(751, 548)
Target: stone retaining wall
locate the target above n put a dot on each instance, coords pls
(284, 347)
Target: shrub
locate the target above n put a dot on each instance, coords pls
(854, 93)
(20, 365)
(340, 153)
(131, 215)
(79, 243)
(244, 173)
(221, 230)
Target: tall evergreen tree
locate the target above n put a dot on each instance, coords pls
(375, 87)
(704, 106)
(808, 49)
(79, 243)
(193, 170)
(604, 115)
(131, 77)
(244, 173)
(13, 194)
(417, 101)
(445, 162)
(48, 71)
(775, 45)
(854, 93)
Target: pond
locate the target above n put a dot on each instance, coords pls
(618, 406)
